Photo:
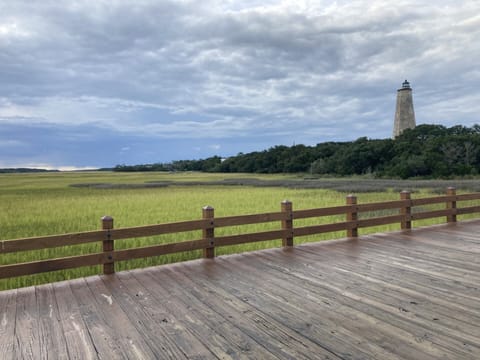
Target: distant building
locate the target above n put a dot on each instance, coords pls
(404, 114)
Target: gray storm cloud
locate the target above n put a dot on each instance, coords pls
(308, 71)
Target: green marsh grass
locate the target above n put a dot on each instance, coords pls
(46, 204)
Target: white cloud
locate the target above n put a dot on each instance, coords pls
(215, 147)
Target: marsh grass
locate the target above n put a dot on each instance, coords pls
(47, 204)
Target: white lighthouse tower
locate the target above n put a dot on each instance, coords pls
(404, 114)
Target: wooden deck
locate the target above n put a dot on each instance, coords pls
(413, 295)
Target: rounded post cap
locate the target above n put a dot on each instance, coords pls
(107, 222)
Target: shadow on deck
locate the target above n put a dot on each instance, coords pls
(411, 295)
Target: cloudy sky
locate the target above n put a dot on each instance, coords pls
(95, 83)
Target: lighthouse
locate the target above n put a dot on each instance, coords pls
(404, 114)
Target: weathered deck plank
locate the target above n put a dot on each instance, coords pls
(49, 327)
(27, 345)
(153, 320)
(8, 306)
(217, 333)
(403, 295)
(389, 309)
(76, 334)
(278, 338)
(338, 308)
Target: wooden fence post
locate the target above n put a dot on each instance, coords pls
(108, 246)
(208, 212)
(451, 205)
(406, 211)
(287, 224)
(352, 215)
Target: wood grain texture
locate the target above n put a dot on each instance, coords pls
(36, 267)
(335, 210)
(26, 337)
(78, 340)
(249, 219)
(162, 249)
(44, 242)
(150, 230)
(405, 295)
(471, 196)
(8, 309)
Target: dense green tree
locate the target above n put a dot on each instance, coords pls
(426, 151)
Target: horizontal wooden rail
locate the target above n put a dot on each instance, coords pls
(161, 229)
(324, 228)
(309, 213)
(471, 196)
(432, 200)
(41, 266)
(433, 214)
(468, 210)
(247, 238)
(45, 242)
(249, 219)
(387, 205)
(163, 249)
(383, 220)
(289, 221)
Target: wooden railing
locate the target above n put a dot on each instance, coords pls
(209, 241)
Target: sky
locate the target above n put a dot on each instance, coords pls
(96, 83)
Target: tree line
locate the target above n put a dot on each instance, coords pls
(433, 151)
(24, 170)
